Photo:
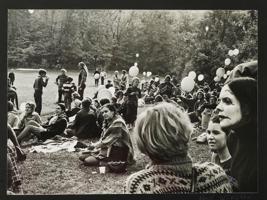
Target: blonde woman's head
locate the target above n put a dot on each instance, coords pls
(163, 132)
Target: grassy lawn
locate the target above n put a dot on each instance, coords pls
(62, 172)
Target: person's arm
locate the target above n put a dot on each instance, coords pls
(12, 135)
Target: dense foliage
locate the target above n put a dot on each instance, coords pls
(167, 41)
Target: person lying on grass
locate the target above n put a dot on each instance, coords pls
(55, 125)
(115, 143)
(162, 133)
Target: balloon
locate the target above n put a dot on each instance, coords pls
(200, 77)
(96, 76)
(112, 90)
(225, 76)
(104, 94)
(135, 64)
(137, 55)
(227, 61)
(192, 74)
(220, 72)
(149, 74)
(157, 79)
(144, 73)
(230, 52)
(133, 71)
(228, 72)
(217, 79)
(236, 52)
(187, 84)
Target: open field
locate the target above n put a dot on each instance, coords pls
(62, 172)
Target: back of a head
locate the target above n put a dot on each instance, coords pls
(104, 101)
(86, 103)
(163, 132)
(245, 90)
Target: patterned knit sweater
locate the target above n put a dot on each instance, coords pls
(177, 178)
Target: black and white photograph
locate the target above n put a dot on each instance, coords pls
(127, 101)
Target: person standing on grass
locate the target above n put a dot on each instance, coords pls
(68, 89)
(82, 78)
(39, 83)
(60, 80)
(103, 75)
(11, 76)
(96, 77)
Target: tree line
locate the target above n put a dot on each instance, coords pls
(167, 41)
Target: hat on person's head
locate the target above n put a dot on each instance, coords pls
(42, 71)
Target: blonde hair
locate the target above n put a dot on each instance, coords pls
(163, 132)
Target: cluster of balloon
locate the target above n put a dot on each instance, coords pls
(234, 52)
(148, 74)
(200, 77)
(96, 76)
(227, 61)
(192, 74)
(133, 71)
(187, 84)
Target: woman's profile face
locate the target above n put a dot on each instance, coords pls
(229, 109)
(107, 114)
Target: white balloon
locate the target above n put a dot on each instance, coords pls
(96, 76)
(133, 71)
(187, 84)
(200, 77)
(144, 73)
(135, 64)
(220, 72)
(230, 53)
(149, 74)
(236, 52)
(137, 55)
(192, 74)
(227, 61)
(217, 79)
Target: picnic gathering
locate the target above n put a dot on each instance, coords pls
(127, 114)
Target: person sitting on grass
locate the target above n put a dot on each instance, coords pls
(115, 143)
(85, 123)
(163, 133)
(55, 125)
(28, 117)
(12, 115)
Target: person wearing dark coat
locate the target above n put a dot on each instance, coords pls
(85, 123)
(237, 111)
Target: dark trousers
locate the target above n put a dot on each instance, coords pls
(38, 101)
(96, 82)
(60, 92)
(81, 91)
(102, 80)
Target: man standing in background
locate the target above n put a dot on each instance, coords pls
(40, 82)
(60, 80)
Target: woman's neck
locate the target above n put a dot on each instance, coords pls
(224, 154)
